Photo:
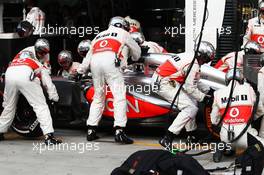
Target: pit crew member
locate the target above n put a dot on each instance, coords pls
(228, 61)
(24, 75)
(255, 29)
(169, 76)
(104, 59)
(239, 111)
(69, 68)
(40, 52)
(37, 18)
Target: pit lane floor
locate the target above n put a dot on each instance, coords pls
(78, 157)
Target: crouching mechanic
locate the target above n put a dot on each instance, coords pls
(40, 52)
(69, 68)
(104, 57)
(238, 113)
(23, 76)
(170, 75)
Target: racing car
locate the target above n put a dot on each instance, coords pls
(144, 107)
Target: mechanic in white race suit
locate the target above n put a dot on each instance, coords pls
(69, 71)
(169, 76)
(40, 52)
(104, 57)
(228, 61)
(24, 75)
(238, 113)
(255, 29)
(69, 67)
(37, 18)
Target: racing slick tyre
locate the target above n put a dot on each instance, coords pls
(207, 119)
(25, 122)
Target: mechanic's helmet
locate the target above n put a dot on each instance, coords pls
(206, 52)
(83, 47)
(24, 29)
(138, 37)
(120, 22)
(42, 47)
(65, 59)
(261, 7)
(238, 76)
(252, 48)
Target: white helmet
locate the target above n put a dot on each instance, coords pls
(42, 47)
(84, 47)
(206, 52)
(65, 59)
(138, 37)
(120, 22)
(252, 47)
(238, 76)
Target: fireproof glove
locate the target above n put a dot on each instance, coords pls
(208, 100)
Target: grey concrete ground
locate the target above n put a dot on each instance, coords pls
(77, 156)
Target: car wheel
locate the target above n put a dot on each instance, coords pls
(25, 122)
(207, 120)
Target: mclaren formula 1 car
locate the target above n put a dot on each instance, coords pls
(144, 107)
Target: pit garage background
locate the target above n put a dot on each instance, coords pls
(153, 15)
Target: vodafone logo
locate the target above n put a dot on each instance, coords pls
(260, 39)
(234, 112)
(103, 43)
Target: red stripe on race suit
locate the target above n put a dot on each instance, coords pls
(136, 108)
(258, 38)
(107, 45)
(167, 69)
(219, 66)
(24, 62)
(237, 114)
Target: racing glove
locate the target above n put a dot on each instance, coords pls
(78, 77)
(144, 50)
(208, 100)
(211, 92)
